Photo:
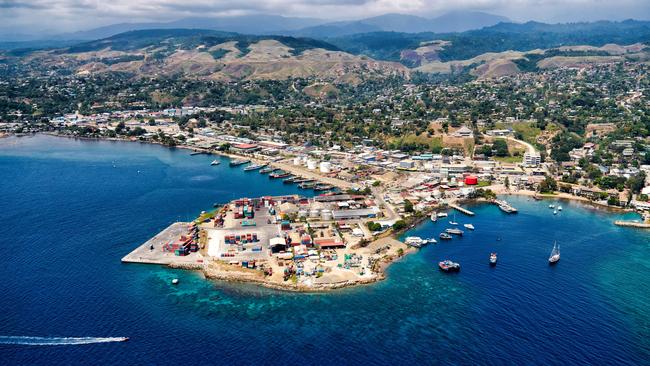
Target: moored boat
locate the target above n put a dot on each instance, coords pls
(455, 231)
(555, 254)
(445, 236)
(442, 214)
(267, 170)
(322, 187)
(307, 185)
(289, 180)
(254, 167)
(279, 174)
(469, 226)
(215, 162)
(493, 259)
(434, 217)
(414, 241)
(238, 162)
(448, 266)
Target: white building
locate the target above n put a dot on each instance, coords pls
(532, 159)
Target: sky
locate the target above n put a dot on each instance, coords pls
(33, 16)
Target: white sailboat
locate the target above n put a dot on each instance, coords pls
(555, 254)
(453, 222)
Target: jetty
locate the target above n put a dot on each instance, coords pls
(146, 255)
(636, 224)
(463, 210)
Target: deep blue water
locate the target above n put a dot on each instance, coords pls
(68, 216)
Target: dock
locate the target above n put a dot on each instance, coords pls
(463, 210)
(636, 224)
(144, 254)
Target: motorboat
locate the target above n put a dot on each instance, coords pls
(493, 259)
(455, 231)
(469, 226)
(175, 281)
(445, 236)
(434, 217)
(449, 266)
(215, 162)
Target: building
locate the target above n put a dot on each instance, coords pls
(464, 132)
(532, 159)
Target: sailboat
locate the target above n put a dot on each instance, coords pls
(555, 254)
(453, 222)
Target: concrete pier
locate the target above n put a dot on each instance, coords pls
(463, 210)
(144, 253)
(636, 224)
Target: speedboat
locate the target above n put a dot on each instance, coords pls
(445, 236)
(175, 281)
(215, 162)
(442, 214)
(432, 241)
(469, 226)
(493, 259)
(449, 266)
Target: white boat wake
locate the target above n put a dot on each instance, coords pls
(57, 341)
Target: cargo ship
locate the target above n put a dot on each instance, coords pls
(449, 266)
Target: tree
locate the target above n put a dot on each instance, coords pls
(548, 185)
(636, 183)
(500, 147)
(408, 206)
(374, 226)
(399, 225)
(506, 183)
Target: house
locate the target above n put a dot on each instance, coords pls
(463, 132)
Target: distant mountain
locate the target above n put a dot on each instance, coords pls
(246, 24)
(497, 38)
(457, 21)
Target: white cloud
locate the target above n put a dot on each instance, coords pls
(66, 15)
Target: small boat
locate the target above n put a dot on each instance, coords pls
(551, 206)
(322, 187)
(267, 170)
(432, 241)
(279, 174)
(555, 254)
(493, 259)
(449, 266)
(306, 185)
(125, 339)
(442, 214)
(254, 167)
(469, 226)
(559, 208)
(215, 162)
(238, 162)
(445, 236)
(434, 217)
(554, 212)
(289, 180)
(505, 207)
(175, 281)
(414, 241)
(455, 231)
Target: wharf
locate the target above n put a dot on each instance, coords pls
(463, 210)
(636, 224)
(144, 253)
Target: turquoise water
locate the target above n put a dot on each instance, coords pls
(69, 216)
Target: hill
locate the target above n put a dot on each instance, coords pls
(196, 53)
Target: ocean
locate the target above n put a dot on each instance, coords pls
(71, 209)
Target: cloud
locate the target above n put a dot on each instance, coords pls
(67, 15)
